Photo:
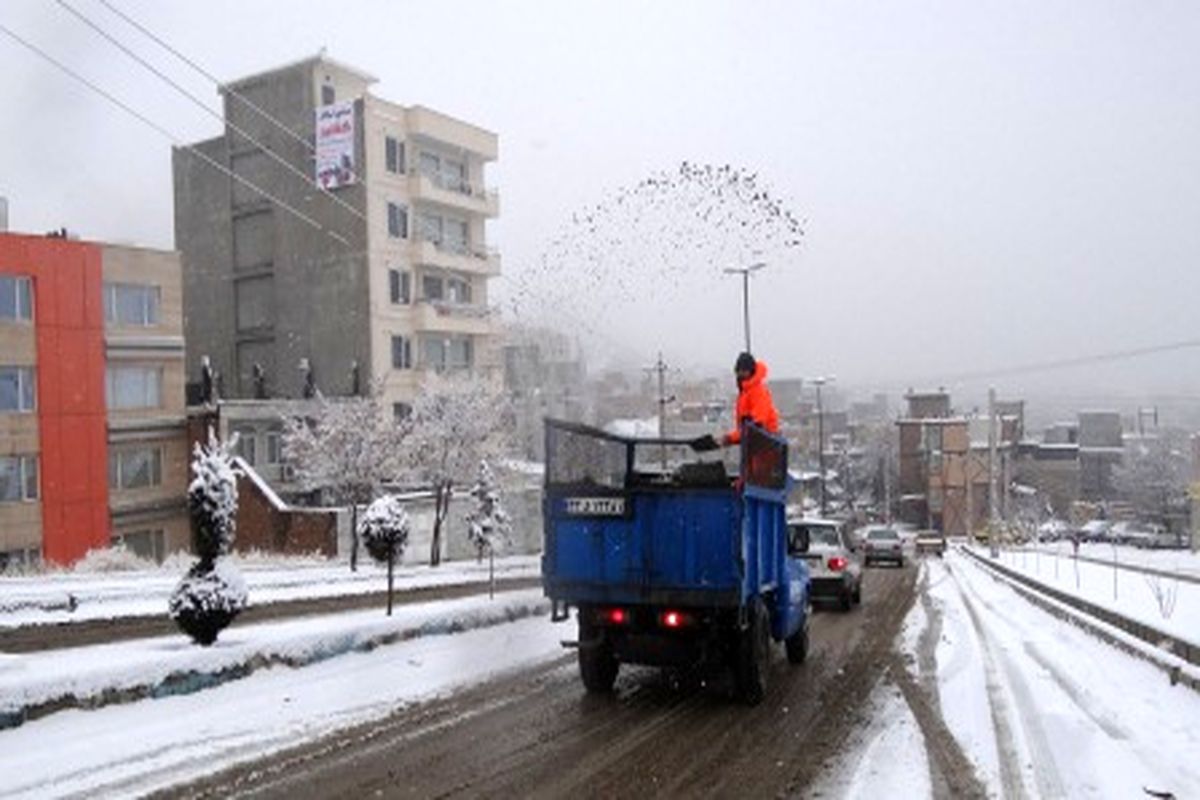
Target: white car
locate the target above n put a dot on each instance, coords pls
(883, 544)
(832, 563)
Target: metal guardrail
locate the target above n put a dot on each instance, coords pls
(1126, 565)
(1156, 638)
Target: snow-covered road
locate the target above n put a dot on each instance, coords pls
(134, 749)
(1044, 709)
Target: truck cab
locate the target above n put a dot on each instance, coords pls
(670, 558)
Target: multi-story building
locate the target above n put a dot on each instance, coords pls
(385, 278)
(93, 445)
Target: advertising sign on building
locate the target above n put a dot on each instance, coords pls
(335, 145)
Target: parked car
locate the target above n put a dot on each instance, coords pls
(931, 541)
(1094, 531)
(833, 563)
(1052, 530)
(883, 544)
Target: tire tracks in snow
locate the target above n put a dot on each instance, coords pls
(1020, 739)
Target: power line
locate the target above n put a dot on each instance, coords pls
(166, 133)
(1078, 361)
(204, 107)
(205, 73)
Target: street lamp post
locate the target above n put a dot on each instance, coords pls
(745, 273)
(819, 382)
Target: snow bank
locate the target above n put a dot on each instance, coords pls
(49, 599)
(35, 684)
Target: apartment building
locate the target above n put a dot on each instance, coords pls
(93, 445)
(387, 278)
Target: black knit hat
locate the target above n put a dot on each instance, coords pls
(745, 363)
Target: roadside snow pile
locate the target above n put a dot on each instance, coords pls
(35, 684)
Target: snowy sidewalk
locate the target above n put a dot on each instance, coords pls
(35, 684)
(46, 599)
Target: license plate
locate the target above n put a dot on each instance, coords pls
(595, 506)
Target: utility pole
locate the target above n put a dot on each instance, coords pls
(745, 273)
(993, 511)
(660, 367)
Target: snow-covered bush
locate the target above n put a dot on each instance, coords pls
(212, 592)
(207, 600)
(114, 558)
(488, 524)
(384, 533)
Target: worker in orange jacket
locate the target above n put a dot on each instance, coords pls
(754, 401)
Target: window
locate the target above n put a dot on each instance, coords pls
(247, 446)
(431, 166)
(16, 298)
(134, 387)
(447, 352)
(131, 304)
(430, 228)
(401, 353)
(398, 287)
(143, 544)
(18, 478)
(274, 447)
(328, 95)
(933, 438)
(401, 411)
(393, 155)
(456, 235)
(454, 175)
(397, 221)
(17, 389)
(451, 289)
(135, 469)
(20, 558)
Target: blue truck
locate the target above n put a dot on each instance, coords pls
(670, 560)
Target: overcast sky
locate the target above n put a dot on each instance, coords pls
(983, 183)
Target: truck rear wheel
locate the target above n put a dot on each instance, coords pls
(753, 655)
(598, 665)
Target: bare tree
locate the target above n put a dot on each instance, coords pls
(1154, 477)
(346, 448)
(456, 423)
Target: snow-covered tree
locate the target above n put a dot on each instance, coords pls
(488, 524)
(1154, 477)
(456, 423)
(384, 533)
(346, 448)
(212, 592)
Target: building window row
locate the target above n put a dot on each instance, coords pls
(401, 352)
(148, 544)
(132, 304)
(18, 391)
(134, 387)
(444, 232)
(16, 298)
(18, 478)
(248, 446)
(446, 288)
(444, 172)
(140, 468)
(443, 353)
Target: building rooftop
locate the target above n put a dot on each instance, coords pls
(319, 58)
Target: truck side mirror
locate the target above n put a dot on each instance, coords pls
(798, 541)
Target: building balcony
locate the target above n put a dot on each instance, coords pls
(454, 193)
(447, 317)
(476, 261)
(446, 130)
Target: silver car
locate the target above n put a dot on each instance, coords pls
(832, 563)
(883, 544)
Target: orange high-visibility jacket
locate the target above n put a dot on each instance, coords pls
(754, 403)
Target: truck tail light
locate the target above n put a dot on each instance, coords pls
(616, 616)
(673, 619)
(837, 563)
